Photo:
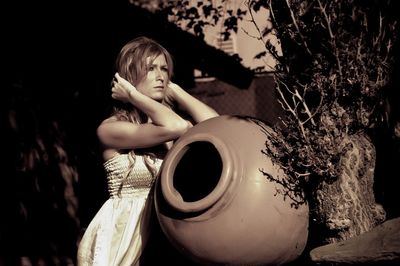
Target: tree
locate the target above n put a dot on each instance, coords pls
(336, 60)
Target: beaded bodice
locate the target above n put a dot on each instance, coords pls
(139, 179)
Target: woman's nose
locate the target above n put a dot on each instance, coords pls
(159, 74)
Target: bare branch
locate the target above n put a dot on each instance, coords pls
(297, 27)
(332, 36)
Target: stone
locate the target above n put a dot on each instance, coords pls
(380, 246)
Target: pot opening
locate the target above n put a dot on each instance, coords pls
(198, 171)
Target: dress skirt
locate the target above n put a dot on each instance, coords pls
(117, 233)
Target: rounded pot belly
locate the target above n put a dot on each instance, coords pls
(215, 203)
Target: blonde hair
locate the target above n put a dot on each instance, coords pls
(131, 64)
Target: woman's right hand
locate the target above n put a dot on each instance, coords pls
(122, 89)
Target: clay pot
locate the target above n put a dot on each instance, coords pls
(217, 207)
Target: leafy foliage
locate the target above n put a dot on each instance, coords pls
(196, 15)
(336, 58)
(43, 179)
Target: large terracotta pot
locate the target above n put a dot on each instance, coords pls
(216, 206)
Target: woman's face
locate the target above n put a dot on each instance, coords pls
(155, 82)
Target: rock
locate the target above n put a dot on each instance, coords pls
(380, 245)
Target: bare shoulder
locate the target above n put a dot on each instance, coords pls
(108, 152)
(101, 127)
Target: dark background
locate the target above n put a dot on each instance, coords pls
(57, 62)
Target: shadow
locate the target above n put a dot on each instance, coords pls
(58, 62)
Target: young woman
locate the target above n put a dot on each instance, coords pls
(135, 138)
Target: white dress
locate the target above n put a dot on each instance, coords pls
(120, 228)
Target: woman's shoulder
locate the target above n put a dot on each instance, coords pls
(104, 124)
(112, 126)
(108, 154)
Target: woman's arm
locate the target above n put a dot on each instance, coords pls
(127, 135)
(198, 110)
(165, 124)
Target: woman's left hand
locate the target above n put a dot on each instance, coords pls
(171, 93)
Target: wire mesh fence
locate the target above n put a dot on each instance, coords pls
(258, 100)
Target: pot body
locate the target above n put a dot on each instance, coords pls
(215, 204)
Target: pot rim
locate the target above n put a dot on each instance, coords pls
(172, 196)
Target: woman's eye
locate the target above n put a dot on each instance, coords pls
(165, 69)
(150, 68)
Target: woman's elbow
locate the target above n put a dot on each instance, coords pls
(180, 127)
(210, 114)
(213, 114)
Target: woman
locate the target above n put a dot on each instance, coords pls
(135, 140)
